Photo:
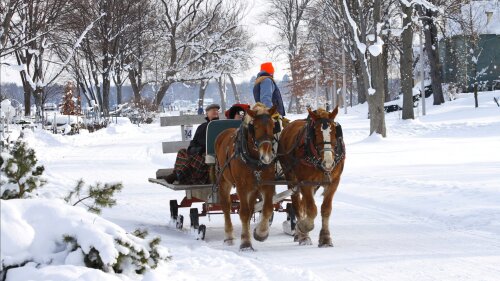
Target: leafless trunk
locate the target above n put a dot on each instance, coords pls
(135, 85)
(361, 79)
(221, 82)
(406, 62)
(201, 94)
(431, 47)
(161, 92)
(385, 67)
(119, 87)
(376, 100)
(290, 104)
(288, 15)
(235, 90)
(10, 8)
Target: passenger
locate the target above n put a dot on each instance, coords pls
(190, 167)
(237, 111)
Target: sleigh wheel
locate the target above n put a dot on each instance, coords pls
(194, 217)
(291, 220)
(291, 215)
(202, 229)
(180, 222)
(174, 209)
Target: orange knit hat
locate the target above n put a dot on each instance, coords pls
(267, 67)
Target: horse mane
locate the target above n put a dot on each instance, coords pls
(260, 108)
(322, 113)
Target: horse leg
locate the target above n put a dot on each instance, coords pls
(245, 215)
(325, 239)
(261, 232)
(306, 223)
(296, 203)
(297, 206)
(225, 202)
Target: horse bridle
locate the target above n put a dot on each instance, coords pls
(265, 139)
(310, 139)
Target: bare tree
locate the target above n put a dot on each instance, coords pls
(377, 91)
(183, 23)
(7, 11)
(103, 50)
(142, 55)
(32, 35)
(406, 60)
(289, 16)
(429, 16)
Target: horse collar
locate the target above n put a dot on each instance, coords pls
(241, 149)
(311, 152)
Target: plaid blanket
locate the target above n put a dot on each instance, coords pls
(191, 169)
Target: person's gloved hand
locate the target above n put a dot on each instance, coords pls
(192, 150)
(285, 121)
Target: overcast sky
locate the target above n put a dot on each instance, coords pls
(261, 34)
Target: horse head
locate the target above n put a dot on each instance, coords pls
(260, 125)
(322, 131)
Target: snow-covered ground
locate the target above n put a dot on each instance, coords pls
(421, 204)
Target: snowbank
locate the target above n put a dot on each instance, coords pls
(7, 110)
(37, 231)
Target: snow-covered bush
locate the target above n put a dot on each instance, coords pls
(19, 174)
(41, 232)
(94, 197)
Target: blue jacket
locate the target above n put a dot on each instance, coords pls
(266, 91)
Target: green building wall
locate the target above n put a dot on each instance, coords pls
(457, 66)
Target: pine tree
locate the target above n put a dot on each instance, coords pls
(19, 174)
(135, 251)
(94, 197)
(68, 107)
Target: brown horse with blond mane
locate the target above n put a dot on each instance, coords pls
(312, 150)
(245, 157)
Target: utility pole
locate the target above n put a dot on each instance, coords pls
(334, 91)
(422, 73)
(344, 78)
(316, 70)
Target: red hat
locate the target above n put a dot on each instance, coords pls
(267, 67)
(235, 109)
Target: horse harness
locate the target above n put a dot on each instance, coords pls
(306, 139)
(242, 151)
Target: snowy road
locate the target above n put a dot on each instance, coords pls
(422, 204)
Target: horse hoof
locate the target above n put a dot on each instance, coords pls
(229, 242)
(296, 238)
(246, 247)
(326, 245)
(258, 237)
(325, 242)
(305, 241)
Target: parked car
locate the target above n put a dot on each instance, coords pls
(50, 107)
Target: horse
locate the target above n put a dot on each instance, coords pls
(312, 152)
(245, 157)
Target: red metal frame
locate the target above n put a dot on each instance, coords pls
(210, 208)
